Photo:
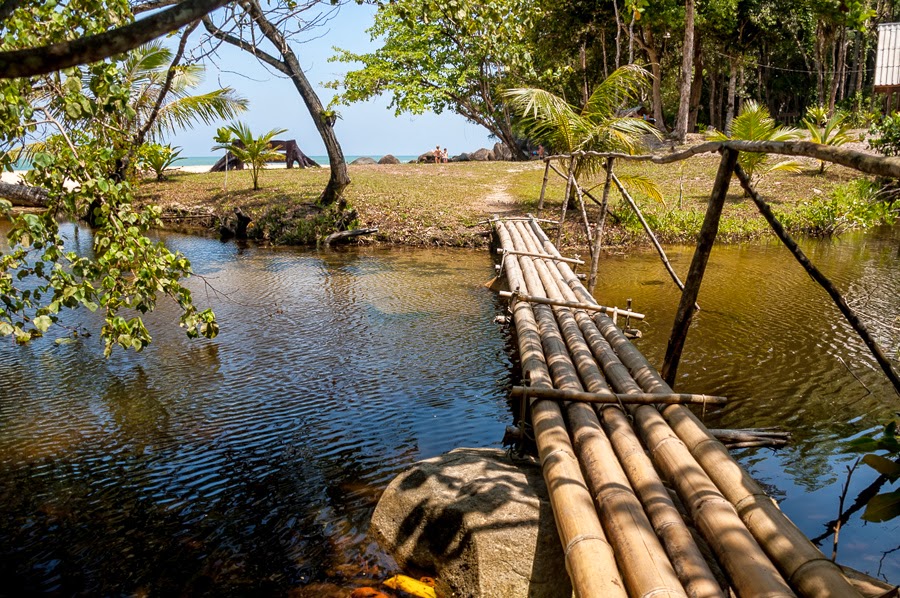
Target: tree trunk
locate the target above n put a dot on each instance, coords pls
(24, 195)
(582, 56)
(645, 39)
(687, 63)
(696, 86)
(713, 112)
(729, 109)
(618, 34)
(838, 54)
(339, 176)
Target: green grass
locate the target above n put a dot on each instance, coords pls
(427, 204)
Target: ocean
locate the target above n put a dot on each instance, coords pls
(210, 160)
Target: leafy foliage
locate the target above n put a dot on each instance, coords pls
(158, 158)
(755, 124)
(456, 55)
(827, 131)
(255, 151)
(597, 126)
(887, 142)
(885, 505)
(76, 112)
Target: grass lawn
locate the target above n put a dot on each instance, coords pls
(428, 204)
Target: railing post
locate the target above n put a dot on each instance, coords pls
(544, 186)
(601, 219)
(698, 265)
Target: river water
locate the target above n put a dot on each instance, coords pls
(251, 463)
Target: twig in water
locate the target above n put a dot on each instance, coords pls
(852, 373)
(837, 525)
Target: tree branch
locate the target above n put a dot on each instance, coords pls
(167, 85)
(245, 46)
(46, 59)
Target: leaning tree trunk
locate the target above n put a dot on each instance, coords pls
(325, 125)
(687, 63)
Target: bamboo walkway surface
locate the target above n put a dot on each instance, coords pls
(609, 464)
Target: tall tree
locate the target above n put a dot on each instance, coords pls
(687, 63)
(454, 56)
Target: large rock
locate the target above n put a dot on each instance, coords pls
(388, 159)
(363, 160)
(501, 152)
(463, 157)
(480, 521)
(481, 155)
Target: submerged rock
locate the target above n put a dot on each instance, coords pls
(479, 520)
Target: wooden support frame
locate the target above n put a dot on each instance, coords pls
(546, 256)
(707, 237)
(612, 311)
(612, 398)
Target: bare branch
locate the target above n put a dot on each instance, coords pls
(46, 59)
(245, 46)
(167, 85)
(151, 5)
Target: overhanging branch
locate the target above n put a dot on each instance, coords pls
(55, 57)
(245, 46)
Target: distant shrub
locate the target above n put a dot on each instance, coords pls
(887, 135)
(856, 204)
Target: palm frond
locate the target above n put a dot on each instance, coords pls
(791, 166)
(208, 108)
(547, 117)
(622, 88)
(644, 185)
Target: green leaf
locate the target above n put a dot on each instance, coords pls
(883, 507)
(883, 465)
(42, 323)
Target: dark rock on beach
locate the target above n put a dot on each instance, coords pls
(389, 159)
(363, 160)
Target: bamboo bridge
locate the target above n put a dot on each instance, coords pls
(613, 439)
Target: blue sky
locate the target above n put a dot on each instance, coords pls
(368, 128)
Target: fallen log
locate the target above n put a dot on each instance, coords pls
(345, 235)
(24, 196)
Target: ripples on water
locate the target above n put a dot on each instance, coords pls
(252, 461)
(769, 338)
(251, 464)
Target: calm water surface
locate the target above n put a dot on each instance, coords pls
(253, 462)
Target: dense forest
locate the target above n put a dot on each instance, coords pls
(459, 55)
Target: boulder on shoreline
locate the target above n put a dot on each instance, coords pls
(480, 521)
(389, 159)
(363, 160)
(482, 155)
(501, 152)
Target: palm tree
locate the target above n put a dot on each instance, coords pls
(827, 131)
(146, 70)
(255, 151)
(755, 124)
(597, 126)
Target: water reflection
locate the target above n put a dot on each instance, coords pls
(252, 462)
(770, 339)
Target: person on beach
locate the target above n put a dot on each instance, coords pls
(444, 156)
(437, 154)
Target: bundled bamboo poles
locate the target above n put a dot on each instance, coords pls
(589, 557)
(747, 566)
(808, 571)
(641, 558)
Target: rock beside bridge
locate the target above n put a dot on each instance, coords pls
(480, 521)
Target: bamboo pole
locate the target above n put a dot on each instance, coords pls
(601, 220)
(562, 219)
(616, 398)
(883, 362)
(705, 241)
(584, 216)
(572, 304)
(653, 239)
(796, 557)
(641, 557)
(748, 567)
(590, 560)
(540, 207)
(543, 255)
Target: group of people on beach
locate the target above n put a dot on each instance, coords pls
(440, 155)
